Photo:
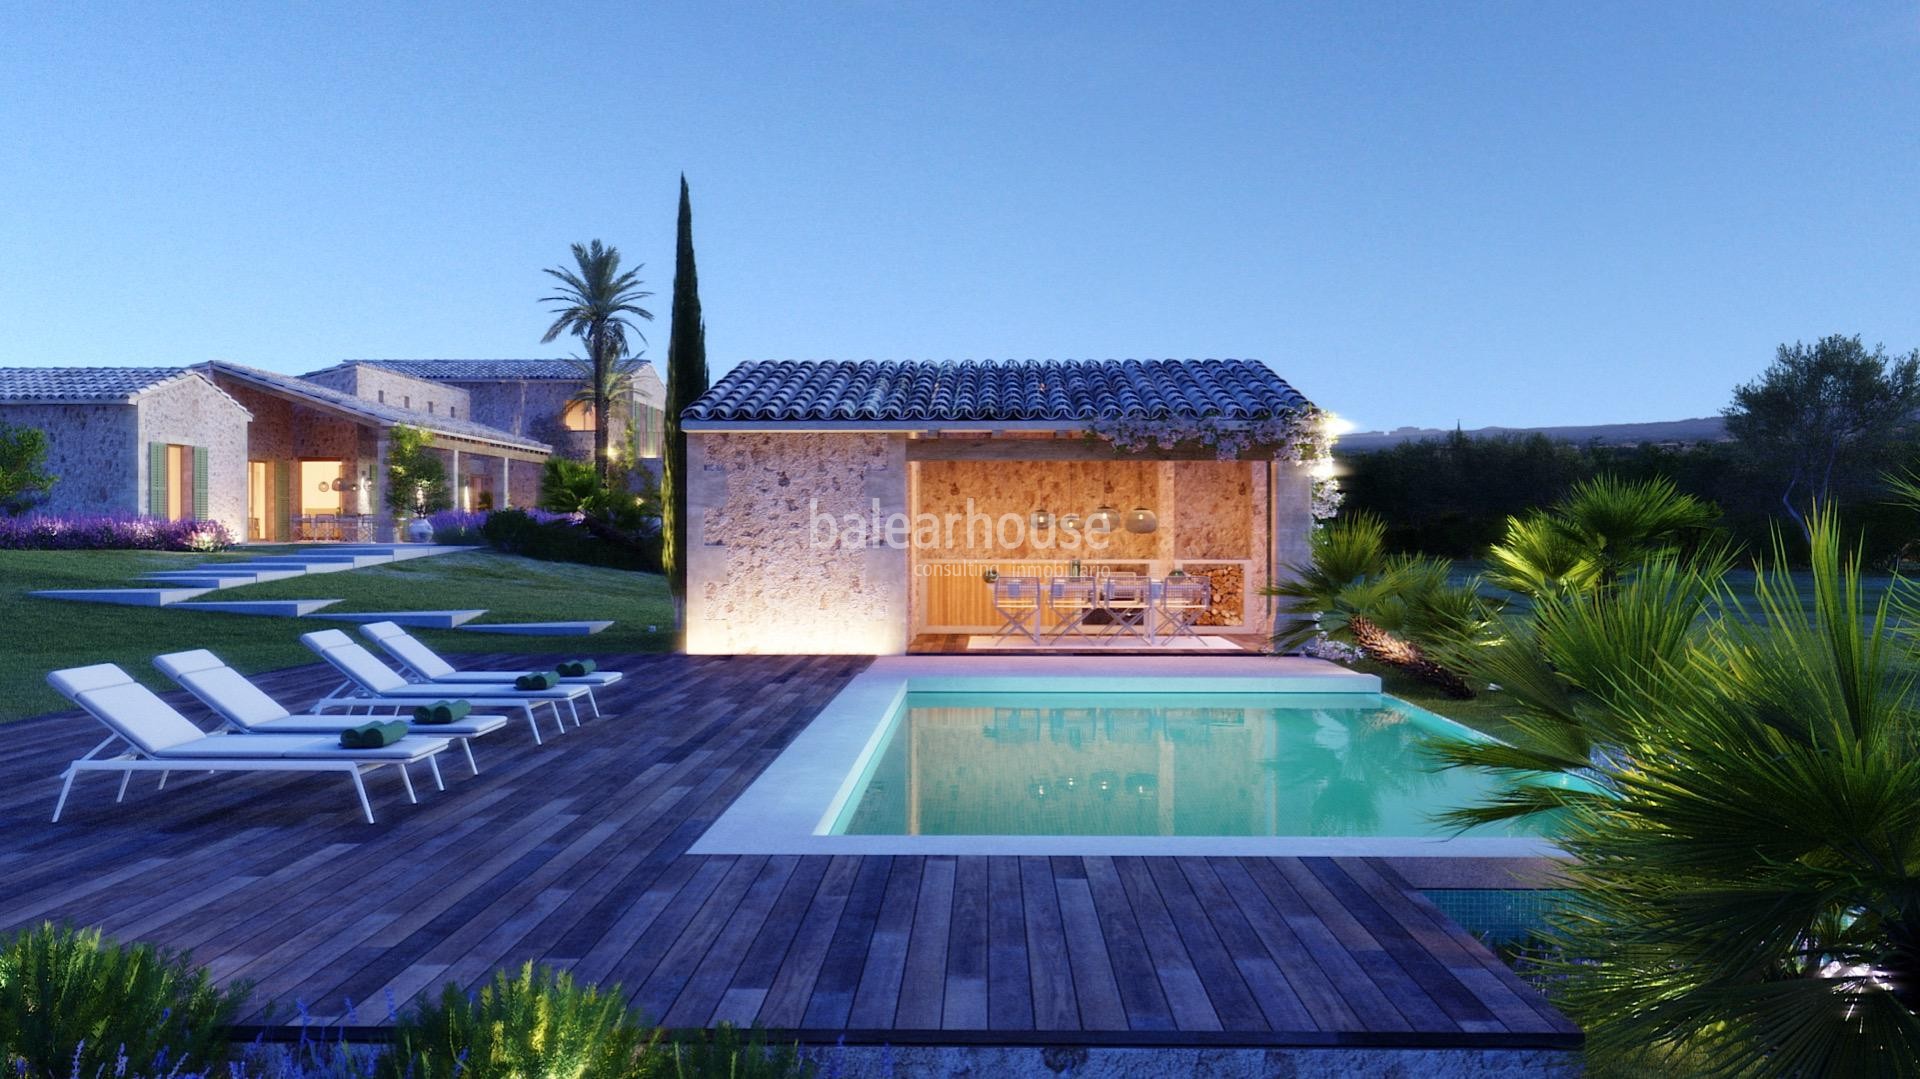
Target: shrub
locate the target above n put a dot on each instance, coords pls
(416, 477)
(36, 532)
(24, 479)
(724, 1051)
(536, 1025)
(554, 537)
(74, 1003)
(458, 527)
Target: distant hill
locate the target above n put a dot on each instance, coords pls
(1703, 429)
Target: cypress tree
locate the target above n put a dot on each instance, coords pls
(686, 381)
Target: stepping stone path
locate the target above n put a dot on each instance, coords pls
(179, 588)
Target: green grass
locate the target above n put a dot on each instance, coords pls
(42, 635)
(1485, 713)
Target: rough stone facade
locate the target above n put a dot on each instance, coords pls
(91, 448)
(761, 577)
(99, 451)
(192, 412)
(377, 384)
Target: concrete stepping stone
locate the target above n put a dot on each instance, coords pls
(422, 619)
(304, 565)
(539, 629)
(280, 608)
(199, 580)
(230, 569)
(125, 597)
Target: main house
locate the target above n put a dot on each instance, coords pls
(856, 506)
(280, 457)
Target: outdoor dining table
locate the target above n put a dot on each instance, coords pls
(1106, 608)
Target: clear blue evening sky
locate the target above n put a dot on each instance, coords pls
(1512, 213)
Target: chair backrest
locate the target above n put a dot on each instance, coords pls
(1191, 592)
(1072, 591)
(1016, 591)
(402, 646)
(1125, 589)
(360, 666)
(128, 708)
(221, 688)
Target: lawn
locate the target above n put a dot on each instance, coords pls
(42, 635)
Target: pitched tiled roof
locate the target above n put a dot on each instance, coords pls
(375, 411)
(482, 370)
(786, 391)
(103, 384)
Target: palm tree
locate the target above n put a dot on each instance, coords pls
(1603, 528)
(1353, 591)
(595, 303)
(1738, 778)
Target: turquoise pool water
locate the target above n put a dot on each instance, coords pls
(1161, 764)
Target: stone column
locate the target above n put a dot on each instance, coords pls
(505, 498)
(453, 477)
(378, 487)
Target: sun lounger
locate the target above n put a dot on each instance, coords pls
(247, 709)
(425, 665)
(159, 739)
(369, 679)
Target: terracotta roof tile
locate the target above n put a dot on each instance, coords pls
(791, 391)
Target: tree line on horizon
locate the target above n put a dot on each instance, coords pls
(1829, 424)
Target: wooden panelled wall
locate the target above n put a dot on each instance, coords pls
(1207, 510)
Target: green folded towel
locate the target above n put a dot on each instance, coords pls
(576, 668)
(537, 680)
(442, 712)
(372, 735)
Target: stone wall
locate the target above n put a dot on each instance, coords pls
(377, 384)
(191, 412)
(535, 408)
(94, 450)
(760, 576)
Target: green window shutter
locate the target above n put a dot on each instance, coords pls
(282, 517)
(156, 479)
(199, 483)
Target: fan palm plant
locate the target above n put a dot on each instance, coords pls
(596, 302)
(1604, 528)
(1746, 842)
(1352, 591)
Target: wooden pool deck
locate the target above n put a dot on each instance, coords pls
(574, 854)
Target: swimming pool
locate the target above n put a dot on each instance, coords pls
(1157, 764)
(1055, 755)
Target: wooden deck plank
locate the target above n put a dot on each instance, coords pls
(964, 1006)
(877, 998)
(1186, 992)
(1049, 969)
(1096, 993)
(1141, 995)
(1009, 983)
(923, 984)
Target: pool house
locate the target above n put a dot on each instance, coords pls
(886, 507)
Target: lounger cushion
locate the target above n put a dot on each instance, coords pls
(297, 747)
(228, 692)
(466, 728)
(409, 650)
(137, 715)
(597, 678)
